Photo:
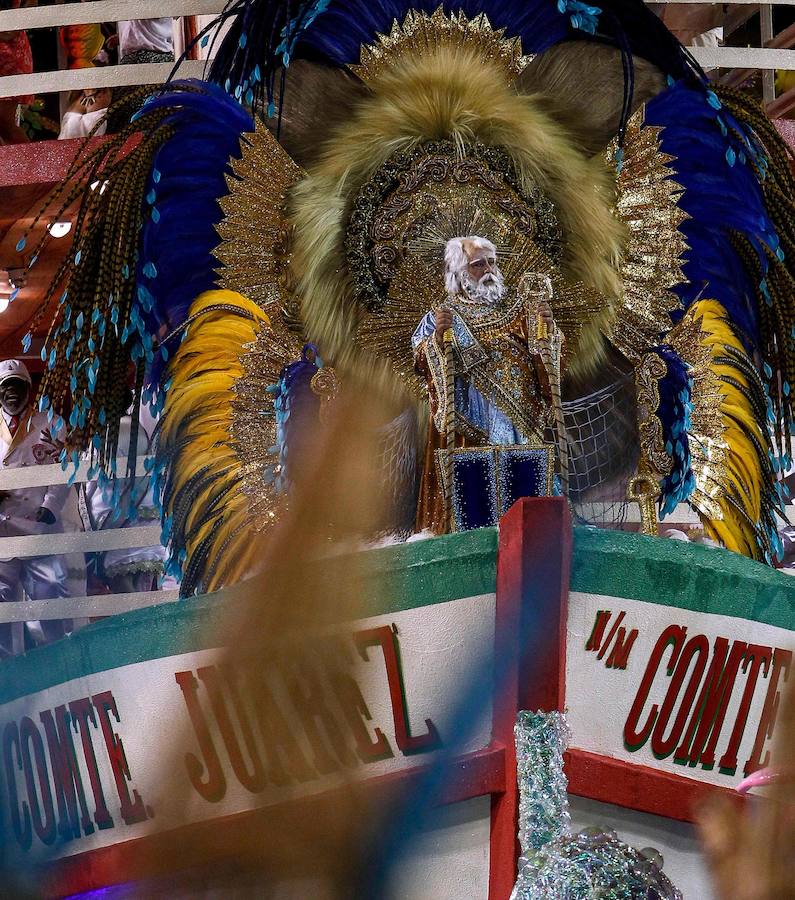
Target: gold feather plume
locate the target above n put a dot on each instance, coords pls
(206, 508)
(735, 494)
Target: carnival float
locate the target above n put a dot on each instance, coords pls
(423, 297)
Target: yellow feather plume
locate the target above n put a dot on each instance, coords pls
(204, 501)
(735, 493)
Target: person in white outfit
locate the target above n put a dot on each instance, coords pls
(140, 41)
(25, 440)
(126, 504)
(150, 35)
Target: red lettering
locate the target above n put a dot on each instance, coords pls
(311, 704)
(660, 745)
(22, 832)
(253, 780)
(598, 630)
(619, 655)
(610, 636)
(66, 775)
(386, 638)
(710, 711)
(767, 721)
(354, 706)
(758, 656)
(634, 739)
(214, 788)
(82, 712)
(43, 825)
(132, 809)
(279, 741)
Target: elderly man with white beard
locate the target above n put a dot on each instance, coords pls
(501, 341)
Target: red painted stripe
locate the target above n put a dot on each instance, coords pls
(533, 564)
(638, 787)
(473, 775)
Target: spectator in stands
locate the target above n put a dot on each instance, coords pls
(82, 45)
(141, 41)
(146, 41)
(87, 46)
(25, 440)
(84, 113)
(15, 59)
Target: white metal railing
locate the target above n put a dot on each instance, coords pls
(89, 13)
(765, 58)
(97, 77)
(33, 545)
(85, 607)
(96, 11)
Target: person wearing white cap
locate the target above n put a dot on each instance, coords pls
(25, 440)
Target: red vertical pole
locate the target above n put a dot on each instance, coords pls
(533, 564)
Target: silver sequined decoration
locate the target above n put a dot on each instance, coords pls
(554, 863)
(541, 739)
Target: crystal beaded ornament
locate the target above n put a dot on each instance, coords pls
(554, 863)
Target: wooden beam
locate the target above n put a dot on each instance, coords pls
(781, 105)
(766, 31)
(737, 17)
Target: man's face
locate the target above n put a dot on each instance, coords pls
(482, 266)
(481, 280)
(14, 393)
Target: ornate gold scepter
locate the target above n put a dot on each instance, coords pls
(550, 347)
(449, 423)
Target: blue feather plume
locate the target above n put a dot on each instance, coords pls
(712, 154)
(674, 411)
(187, 180)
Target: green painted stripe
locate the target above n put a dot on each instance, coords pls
(408, 576)
(422, 573)
(403, 576)
(675, 573)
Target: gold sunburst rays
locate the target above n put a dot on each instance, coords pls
(423, 33)
(253, 427)
(255, 261)
(647, 204)
(459, 219)
(255, 234)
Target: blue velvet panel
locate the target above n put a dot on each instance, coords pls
(522, 473)
(487, 481)
(474, 490)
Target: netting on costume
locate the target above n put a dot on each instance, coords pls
(603, 452)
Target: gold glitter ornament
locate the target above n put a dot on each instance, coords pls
(422, 33)
(647, 204)
(256, 236)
